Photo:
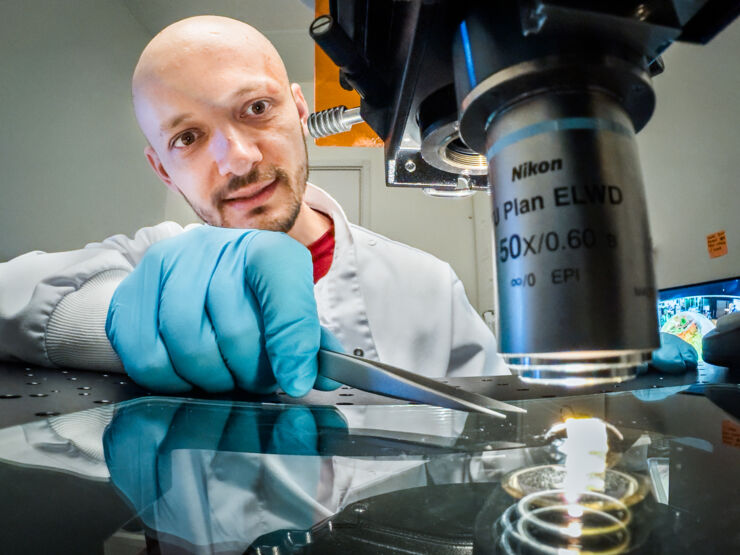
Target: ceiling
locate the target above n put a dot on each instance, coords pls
(284, 22)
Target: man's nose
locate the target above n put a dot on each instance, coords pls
(234, 153)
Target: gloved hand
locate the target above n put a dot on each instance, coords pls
(221, 473)
(675, 356)
(219, 309)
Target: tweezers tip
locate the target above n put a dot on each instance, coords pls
(489, 411)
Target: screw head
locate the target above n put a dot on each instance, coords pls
(410, 166)
(321, 24)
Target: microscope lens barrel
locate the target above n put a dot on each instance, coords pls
(574, 273)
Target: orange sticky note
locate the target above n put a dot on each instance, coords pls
(328, 93)
(730, 433)
(717, 244)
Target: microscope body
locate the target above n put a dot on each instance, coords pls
(536, 102)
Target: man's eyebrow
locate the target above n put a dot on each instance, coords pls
(244, 90)
(174, 122)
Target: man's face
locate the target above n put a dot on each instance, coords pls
(227, 132)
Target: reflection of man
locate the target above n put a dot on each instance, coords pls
(211, 478)
(223, 308)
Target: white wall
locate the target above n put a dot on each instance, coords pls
(72, 168)
(690, 153)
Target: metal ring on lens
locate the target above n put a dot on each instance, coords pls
(442, 147)
(615, 523)
(609, 503)
(507, 525)
(622, 541)
(508, 518)
(515, 528)
(567, 369)
(632, 492)
(529, 516)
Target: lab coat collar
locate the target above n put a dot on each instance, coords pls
(339, 294)
(320, 200)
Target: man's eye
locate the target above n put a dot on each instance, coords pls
(185, 139)
(257, 108)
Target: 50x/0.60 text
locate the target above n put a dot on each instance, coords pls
(514, 246)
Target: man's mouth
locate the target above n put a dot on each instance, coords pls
(251, 197)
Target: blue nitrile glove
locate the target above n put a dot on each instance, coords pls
(675, 356)
(184, 466)
(219, 309)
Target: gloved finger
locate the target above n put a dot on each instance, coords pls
(293, 490)
(247, 431)
(195, 428)
(329, 418)
(236, 319)
(675, 355)
(330, 343)
(249, 428)
(184, 325)
(295, 432)
(280, 273)
(332, 430)
(131, 448)
(132, 327)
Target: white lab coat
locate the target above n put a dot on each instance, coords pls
(382, 299)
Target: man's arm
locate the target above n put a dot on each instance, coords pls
(53, 306)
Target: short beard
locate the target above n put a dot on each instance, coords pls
(286, 223)
(296, 187)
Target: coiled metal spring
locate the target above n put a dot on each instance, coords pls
(332, 121)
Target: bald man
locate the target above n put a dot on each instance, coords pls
(247, 300)
(225, 127)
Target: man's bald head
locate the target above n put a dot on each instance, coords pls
(180, 51)
(225, 127)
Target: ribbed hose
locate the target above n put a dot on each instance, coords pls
(332, 121)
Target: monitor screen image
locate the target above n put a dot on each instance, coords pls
(691, 311)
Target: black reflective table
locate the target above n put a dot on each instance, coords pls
(28, 393)
(649, 470)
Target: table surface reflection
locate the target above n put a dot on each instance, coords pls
(648, 471)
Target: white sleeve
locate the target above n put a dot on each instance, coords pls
(473, 351)
(53, 306)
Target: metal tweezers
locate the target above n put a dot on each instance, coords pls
(376, 377)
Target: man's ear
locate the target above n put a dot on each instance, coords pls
(302, 106)
(153, 158)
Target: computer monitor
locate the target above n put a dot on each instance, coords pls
(691, 311)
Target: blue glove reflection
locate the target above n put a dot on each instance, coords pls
(216, 473)
(219, 309)
(675, 356)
